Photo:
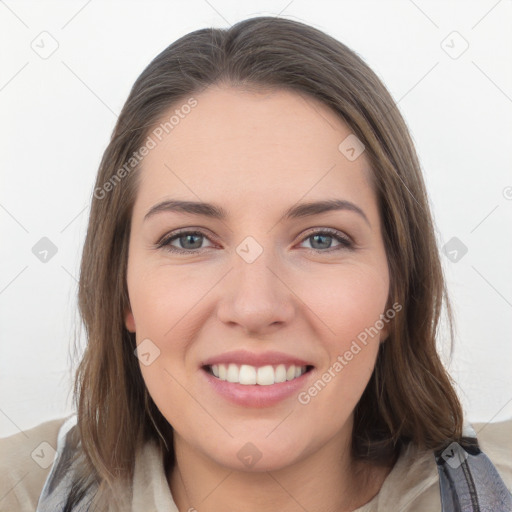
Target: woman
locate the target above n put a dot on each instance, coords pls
(261, 290)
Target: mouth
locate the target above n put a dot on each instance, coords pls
(249, 375)
(256, 379)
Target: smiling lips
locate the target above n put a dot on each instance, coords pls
(255, 380)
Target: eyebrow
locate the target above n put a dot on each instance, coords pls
(217, 212)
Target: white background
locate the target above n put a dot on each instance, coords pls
(58, 114)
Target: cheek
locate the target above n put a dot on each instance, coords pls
(350, 302)
(162, 301)
(351, 306)
(160, 297)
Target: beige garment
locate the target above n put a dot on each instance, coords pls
(411, 486)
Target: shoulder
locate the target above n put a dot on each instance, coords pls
(26, 459)
(495, 440)
(413, 483)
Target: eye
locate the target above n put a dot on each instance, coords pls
(321, 240)
(188, 241)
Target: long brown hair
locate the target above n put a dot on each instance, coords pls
(410, 397)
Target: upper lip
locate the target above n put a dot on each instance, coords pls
(240, 357)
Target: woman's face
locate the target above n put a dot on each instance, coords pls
(256, 296)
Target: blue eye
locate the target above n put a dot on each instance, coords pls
(190, 242)
(324, 240)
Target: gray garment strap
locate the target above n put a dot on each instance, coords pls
(58, 484)
(469, 482)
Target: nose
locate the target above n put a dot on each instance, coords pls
(255, 296)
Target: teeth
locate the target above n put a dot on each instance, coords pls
(250, 375)
(233, 374)
(280, 375)
(247, 374)
(266, 376)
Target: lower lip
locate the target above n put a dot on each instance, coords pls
(255, 395)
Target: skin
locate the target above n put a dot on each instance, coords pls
(256, 154)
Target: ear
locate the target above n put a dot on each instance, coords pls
(386, 329)
(129, 320)
(387, 319)
(384, 333)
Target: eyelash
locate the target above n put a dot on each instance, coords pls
(165, 241)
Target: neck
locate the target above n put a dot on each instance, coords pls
(328, 480)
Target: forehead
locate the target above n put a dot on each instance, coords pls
(252, 147)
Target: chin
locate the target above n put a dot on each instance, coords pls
(250, 459)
